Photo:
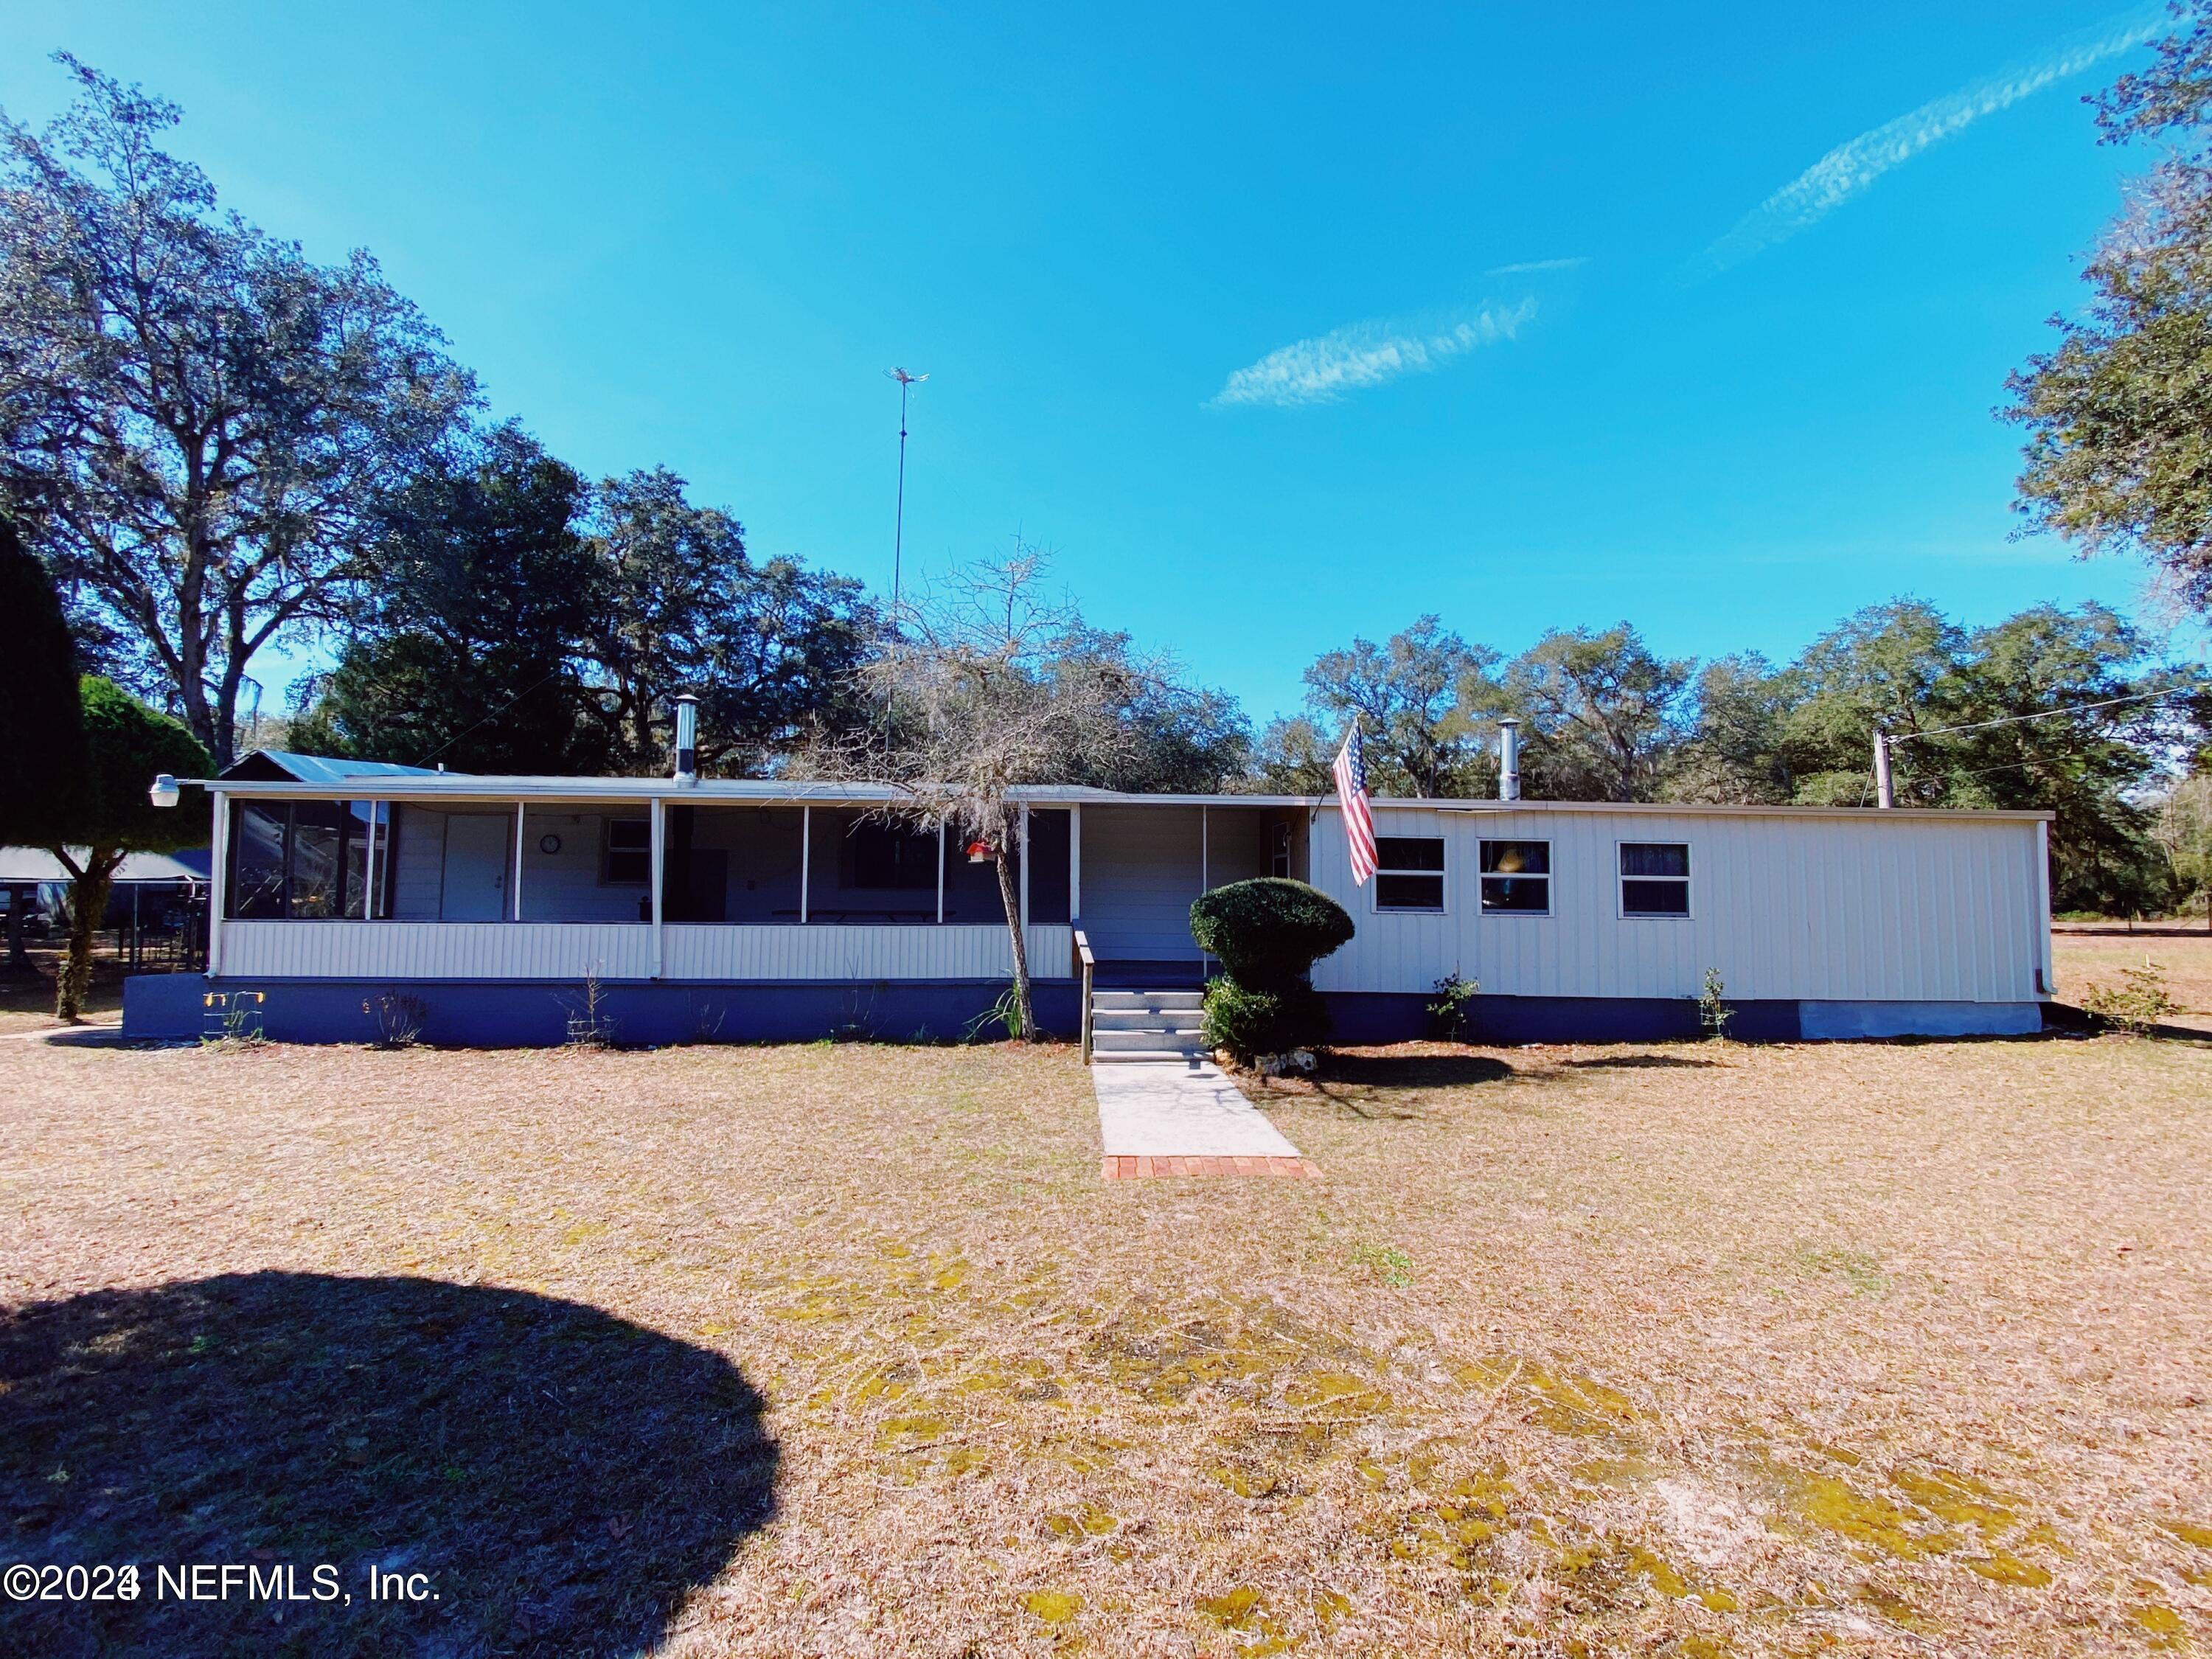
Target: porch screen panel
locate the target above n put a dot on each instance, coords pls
(257, 869)
(318, 859)
(298, 861)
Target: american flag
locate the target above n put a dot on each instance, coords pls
(1351, 770)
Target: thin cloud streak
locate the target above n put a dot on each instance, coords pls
(1530, 267)
(1850, 168)
(1322, 369)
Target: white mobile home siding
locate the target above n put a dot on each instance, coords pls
(1854, 907)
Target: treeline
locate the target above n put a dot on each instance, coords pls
(2076, 712)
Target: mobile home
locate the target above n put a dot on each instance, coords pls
(685, 909)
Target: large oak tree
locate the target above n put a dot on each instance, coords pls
(206, 425)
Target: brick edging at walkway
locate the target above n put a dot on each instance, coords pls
(1143, 1167)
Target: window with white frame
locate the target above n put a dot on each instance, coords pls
(1409, 873)
(1655, 878)
(1516, 878)
(629, 852)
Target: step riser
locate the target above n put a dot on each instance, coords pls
(1136, 1019)
(1150, 1001)
(1146, 1042)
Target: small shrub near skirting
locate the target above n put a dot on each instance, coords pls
(1246, 1024)
(2140, 1001)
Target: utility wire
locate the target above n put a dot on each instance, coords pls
(1897, 737)
(489, 718)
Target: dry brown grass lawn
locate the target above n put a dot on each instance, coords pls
(1657, 1350)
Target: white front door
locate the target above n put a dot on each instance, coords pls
(478, 846)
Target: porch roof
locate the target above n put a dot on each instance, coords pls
(462, 786)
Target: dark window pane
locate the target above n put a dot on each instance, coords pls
(885, 855)
(1517, 858)
(1409, 852)
(1653, 858)
(1524, 893)
(257, 861)
(1409, 892)
(1656, 898)
(629, 852)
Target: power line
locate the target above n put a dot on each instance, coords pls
(489, 718)
(2046, 714)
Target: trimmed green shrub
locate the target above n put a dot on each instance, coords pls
(1268, 932)
(1249, 1024)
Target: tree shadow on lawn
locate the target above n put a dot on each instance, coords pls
(1637, 1063)
(563, 1478)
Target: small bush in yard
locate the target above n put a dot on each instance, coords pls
(2138, 1002)
(1715, 1010)
(399, 1018)
(1455, 1005)
(1249, 1024)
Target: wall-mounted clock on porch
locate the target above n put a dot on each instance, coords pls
(548, 845)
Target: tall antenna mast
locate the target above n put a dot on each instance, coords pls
(907, 381)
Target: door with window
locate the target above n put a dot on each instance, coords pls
(477, 848)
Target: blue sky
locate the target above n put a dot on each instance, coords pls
(1280, 324)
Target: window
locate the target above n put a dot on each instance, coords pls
(1516, 877)
(1655, 878)
(628, 861)
(1409, 873)
(1278, 860)
(888, 855)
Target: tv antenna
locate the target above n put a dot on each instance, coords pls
(907, 381)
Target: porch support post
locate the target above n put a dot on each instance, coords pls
(520, 807)
(1075, 866)
(218, 882)
(1025, 875)
(940, 873)
(1204, 859)
(805, 857)
(659, 834)
(368, 869)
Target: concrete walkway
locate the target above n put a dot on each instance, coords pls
(1166, 1119)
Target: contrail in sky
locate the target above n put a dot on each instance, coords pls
(1322, 369)
(1530, 267)
(1849, 168)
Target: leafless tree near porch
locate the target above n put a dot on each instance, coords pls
(988, 683)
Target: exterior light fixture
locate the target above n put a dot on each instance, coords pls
(164, 791)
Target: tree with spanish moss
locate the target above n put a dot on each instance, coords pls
(203, 425)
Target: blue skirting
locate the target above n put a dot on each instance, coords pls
(534, 1013)
(1370, 1017)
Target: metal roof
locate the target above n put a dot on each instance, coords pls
(29, 863)
(414, 784)
(321, 769)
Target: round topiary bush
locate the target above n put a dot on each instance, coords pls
(1268, 932)
(1249, 1024)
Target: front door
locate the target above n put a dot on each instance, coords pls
(478, 846)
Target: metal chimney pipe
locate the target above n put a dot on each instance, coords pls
(686, 738)
(1509, 759)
